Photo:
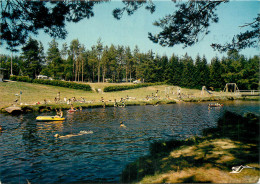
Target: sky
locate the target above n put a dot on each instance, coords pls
(133, 30)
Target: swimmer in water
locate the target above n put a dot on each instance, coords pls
(122, 124)
(73, 135)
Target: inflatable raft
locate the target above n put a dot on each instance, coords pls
(215, 105)
(49, 118)
(71, 111)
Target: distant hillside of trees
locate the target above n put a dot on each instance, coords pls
(75, 63)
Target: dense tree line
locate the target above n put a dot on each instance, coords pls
(119, 63)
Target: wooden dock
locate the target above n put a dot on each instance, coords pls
(249, 93)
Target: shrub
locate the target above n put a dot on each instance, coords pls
(127, 87)
(13, 77)
(23, 78)
(59, 83)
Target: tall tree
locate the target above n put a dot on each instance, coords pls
(162, 65)
(174, 71)
(136, 61)
(104, 62)
(204, 74)
(188, 71)
(81, 62)
(197, 76)
(112, 55)
(216, 73)
(55, 62)
(252, 73)
(120, 61)
(93, 60)
(74, 53)
(5, 62)
(64, 51)
(32, 59)
(128, 62)
(99, 49)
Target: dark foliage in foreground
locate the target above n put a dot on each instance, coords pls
(236, 127)
(242, 129)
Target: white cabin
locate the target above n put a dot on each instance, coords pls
(42, 77)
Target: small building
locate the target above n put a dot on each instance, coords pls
(42, 77)
(108, 80)
(2, 74)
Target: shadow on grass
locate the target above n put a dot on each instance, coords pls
(233, 142)
(192, 179)
(236, 127)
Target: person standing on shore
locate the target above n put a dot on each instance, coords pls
(179, 93)
(115, 103)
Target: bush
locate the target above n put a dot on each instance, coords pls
(20, 78)
(59, 83)
(13, 77)
(127, 87)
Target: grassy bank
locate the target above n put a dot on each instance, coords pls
(53, 107)
(206, 159)
(34, 93)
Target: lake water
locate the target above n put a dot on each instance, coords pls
(29, 150)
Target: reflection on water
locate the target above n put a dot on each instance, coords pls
(30, 151)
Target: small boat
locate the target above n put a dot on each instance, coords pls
(71, 111)
(49, 118)
(215, 105)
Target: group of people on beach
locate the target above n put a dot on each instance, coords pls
(120, 104)
(73, 99)
(152, 96)
(66, 100)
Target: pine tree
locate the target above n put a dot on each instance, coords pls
(31, 58)
(201, 72)
(204, 74)
(74, 53)
(188, 71)
(128, 63)
(215, 73)
(55, 62)
(99, 49)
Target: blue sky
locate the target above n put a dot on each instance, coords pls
(133, 30)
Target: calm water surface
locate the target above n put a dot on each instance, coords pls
(29, 150)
